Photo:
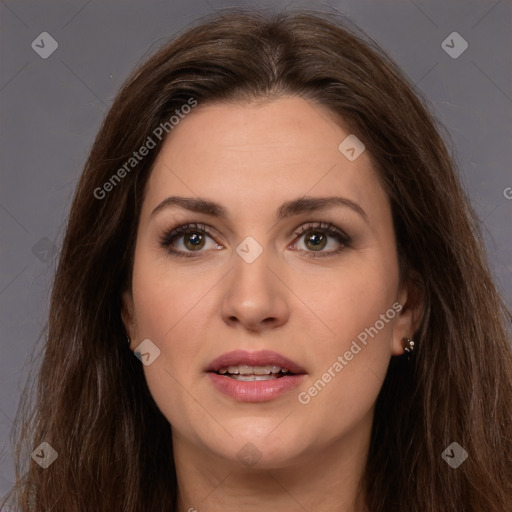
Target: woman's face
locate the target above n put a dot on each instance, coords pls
(267, 278)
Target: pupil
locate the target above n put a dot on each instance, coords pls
(195, 240)
(318, 240)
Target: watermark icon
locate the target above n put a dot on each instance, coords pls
(44, 455)
(44, 45)
(249, 454)
(146, 352)
(304, 397)
(507, 192)
(44, 250)
(249, 249)
(149, 144)
(351, 147)
(454, 455)
(454, 45)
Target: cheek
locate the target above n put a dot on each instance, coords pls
(170, 311)
(352, 355)
(351, 297)
(166, 295)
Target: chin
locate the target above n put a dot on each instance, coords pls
(256, 448)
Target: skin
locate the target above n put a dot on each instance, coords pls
(251, 158)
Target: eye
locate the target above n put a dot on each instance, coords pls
(316, 238)
(193, 239)
(185, 240)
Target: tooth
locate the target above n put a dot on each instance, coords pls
(245, 370)
(250, 378)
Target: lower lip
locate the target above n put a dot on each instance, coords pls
(255, 391)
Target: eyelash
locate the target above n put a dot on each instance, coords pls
(169, 237)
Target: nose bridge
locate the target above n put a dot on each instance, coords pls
(250, 265)
(253, 293)
(251, 278)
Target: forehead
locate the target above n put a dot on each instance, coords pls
(254, 153)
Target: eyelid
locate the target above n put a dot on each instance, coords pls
(173, 232)
(325, 226)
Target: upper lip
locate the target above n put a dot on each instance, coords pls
(260, 358)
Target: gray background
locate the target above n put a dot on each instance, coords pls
(51, 109)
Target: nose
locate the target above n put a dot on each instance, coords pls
(255, 298)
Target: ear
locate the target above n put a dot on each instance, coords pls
(128, 315)
(408, 321)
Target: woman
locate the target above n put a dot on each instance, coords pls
(270, 221)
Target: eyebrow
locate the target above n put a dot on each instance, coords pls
(287, 209)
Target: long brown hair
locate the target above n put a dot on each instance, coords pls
(93, 405)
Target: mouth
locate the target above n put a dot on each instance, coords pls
(254, 376)
(249, 366)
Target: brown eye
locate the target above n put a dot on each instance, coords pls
(193, 241)
(316, 240)
(318, 236)
(188, 239)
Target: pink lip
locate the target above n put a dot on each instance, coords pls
(254, 391)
